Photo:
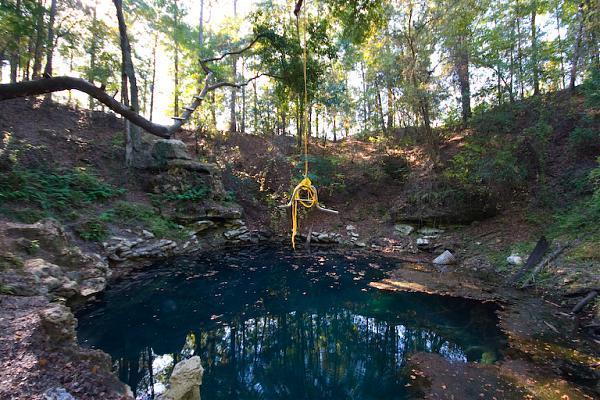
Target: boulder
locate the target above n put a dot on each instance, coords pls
(185, 381)
(58, 323)
(404, 229)
(169, 149)
(446, 258)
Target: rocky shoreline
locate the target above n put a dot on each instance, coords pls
(57, 272)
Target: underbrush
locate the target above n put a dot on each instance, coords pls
(31, 194)
(140, 214)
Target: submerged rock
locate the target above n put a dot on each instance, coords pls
(446, 258)
(185, 381)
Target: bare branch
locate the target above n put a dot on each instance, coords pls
(234, 52)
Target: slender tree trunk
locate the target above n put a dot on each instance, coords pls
(534, 51)
(153, 81)
(243, 124)
(92, 51)
(30, 56)
(232, 99)
(213, 110)
(15, 56)
(560, 49)
(390, 108)
(134, 142)
(520, 52)
(50, 41)
(39, 42)
(335, 128)
(577, 49)
(365, 101)
(464, 82)
(380, 109)
(176, 57)
(255, 108)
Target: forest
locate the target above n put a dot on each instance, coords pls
(292, 199)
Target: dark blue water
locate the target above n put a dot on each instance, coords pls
(271, 325)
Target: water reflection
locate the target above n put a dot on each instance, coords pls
(300, 329)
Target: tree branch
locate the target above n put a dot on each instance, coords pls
(60, 83)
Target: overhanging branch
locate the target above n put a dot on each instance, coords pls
(60, 83)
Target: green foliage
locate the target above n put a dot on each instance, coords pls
(138, 213)
(196, 193)
(500, 120)
(323, 171)
(94, 230)
(591, 88)
(583, 140)
(52, 190)
(583, 217)
(487, 166)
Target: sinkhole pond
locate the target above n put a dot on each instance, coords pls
(271, 324)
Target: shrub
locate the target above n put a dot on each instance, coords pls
(136, 213)
(396, 167)
(584, 140)
(94, 230)
(51, 190)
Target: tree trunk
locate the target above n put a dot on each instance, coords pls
(50, 41)
(133, 139)
(335, 128)
(93, 49)
(255, 108)
(365, 99)
(39, 42)
(380, 108)
(153, 81)
(577, 49)
(390, 108)
(534, 51)
(243, 124)
(232, 99)
(520, 52)
(176, 58)
(462, 72)
(15, 56)
(560, 49)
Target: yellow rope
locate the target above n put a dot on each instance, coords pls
(304, 193)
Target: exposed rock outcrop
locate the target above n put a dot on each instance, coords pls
(185, 381)
(40, 259)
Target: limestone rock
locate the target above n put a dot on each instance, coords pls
(430, 231)
(58, 323)
(203, 225)
(446, 258)
(514, 259)
(422, 242)
(168, 149)
(404, 229)
(185, 381)
(58, 393)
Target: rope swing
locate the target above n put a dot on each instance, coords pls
(304, 194)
